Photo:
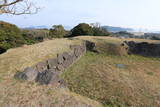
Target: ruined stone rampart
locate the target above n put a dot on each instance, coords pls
(48, 71)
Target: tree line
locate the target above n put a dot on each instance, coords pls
(82, 29)
(11, 36)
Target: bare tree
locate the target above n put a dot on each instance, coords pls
(96, 25)
(17, 7)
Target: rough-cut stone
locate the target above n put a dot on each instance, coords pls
(90, 46)
(52, 63)
(62, 83)
(83, 49)
(143, 48)
(72, 56)
(41, 66)
(67, 63)
(74, 46)
(60, 58)
(65, 55)
(29, 74)
(55, 79)
(77, 51)
(60, 67)
(47, 76)
(48, 72)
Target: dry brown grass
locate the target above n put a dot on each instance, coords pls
(97, 77)
(18, 58)
(111, 48)
(14, 93)
(114, 39)
(140, 79)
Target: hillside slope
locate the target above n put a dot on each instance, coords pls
(92, 81)
(19, 94)
(114, 80)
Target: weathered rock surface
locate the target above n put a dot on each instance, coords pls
(90, 46)
(67, 63)
(41, 66)
(65, 56)
(60, 58)
(29, 74)
(77, 51)
(60, 67)
(52, 63)
(47, 72)
(47, 76)
(143, 48)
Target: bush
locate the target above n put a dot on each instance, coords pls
(99, 31)
(2, 50)
(35, 35)
(10, 36)
(29, 39)
(57, 31)
(86, 29)
(155, 38)
(81, 29)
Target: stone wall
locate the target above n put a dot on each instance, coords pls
(48, 71)
(143, 48)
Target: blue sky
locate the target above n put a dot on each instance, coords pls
(124, 13)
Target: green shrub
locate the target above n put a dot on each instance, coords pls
(35, 35)
(57, 31)
(81, 29)
(99, 31)
(86, 29)
(10, 36)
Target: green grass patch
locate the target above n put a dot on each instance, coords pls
(150, 73)
(97, 77)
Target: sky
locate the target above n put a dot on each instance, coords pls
(138, 14)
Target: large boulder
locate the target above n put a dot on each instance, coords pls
(52, 63)
(77, 51)
(143, 48)
(60, 67)
(90, 46)
(65, 55)
(72, 56)
(41, 66)
(29, 74)
(67, 63)
(47, 77)
(60, 58)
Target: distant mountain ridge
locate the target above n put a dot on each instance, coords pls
(36, 27)
(117, 29)
(45, 27)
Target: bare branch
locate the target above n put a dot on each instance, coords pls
(8, 4)
(17, 7)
